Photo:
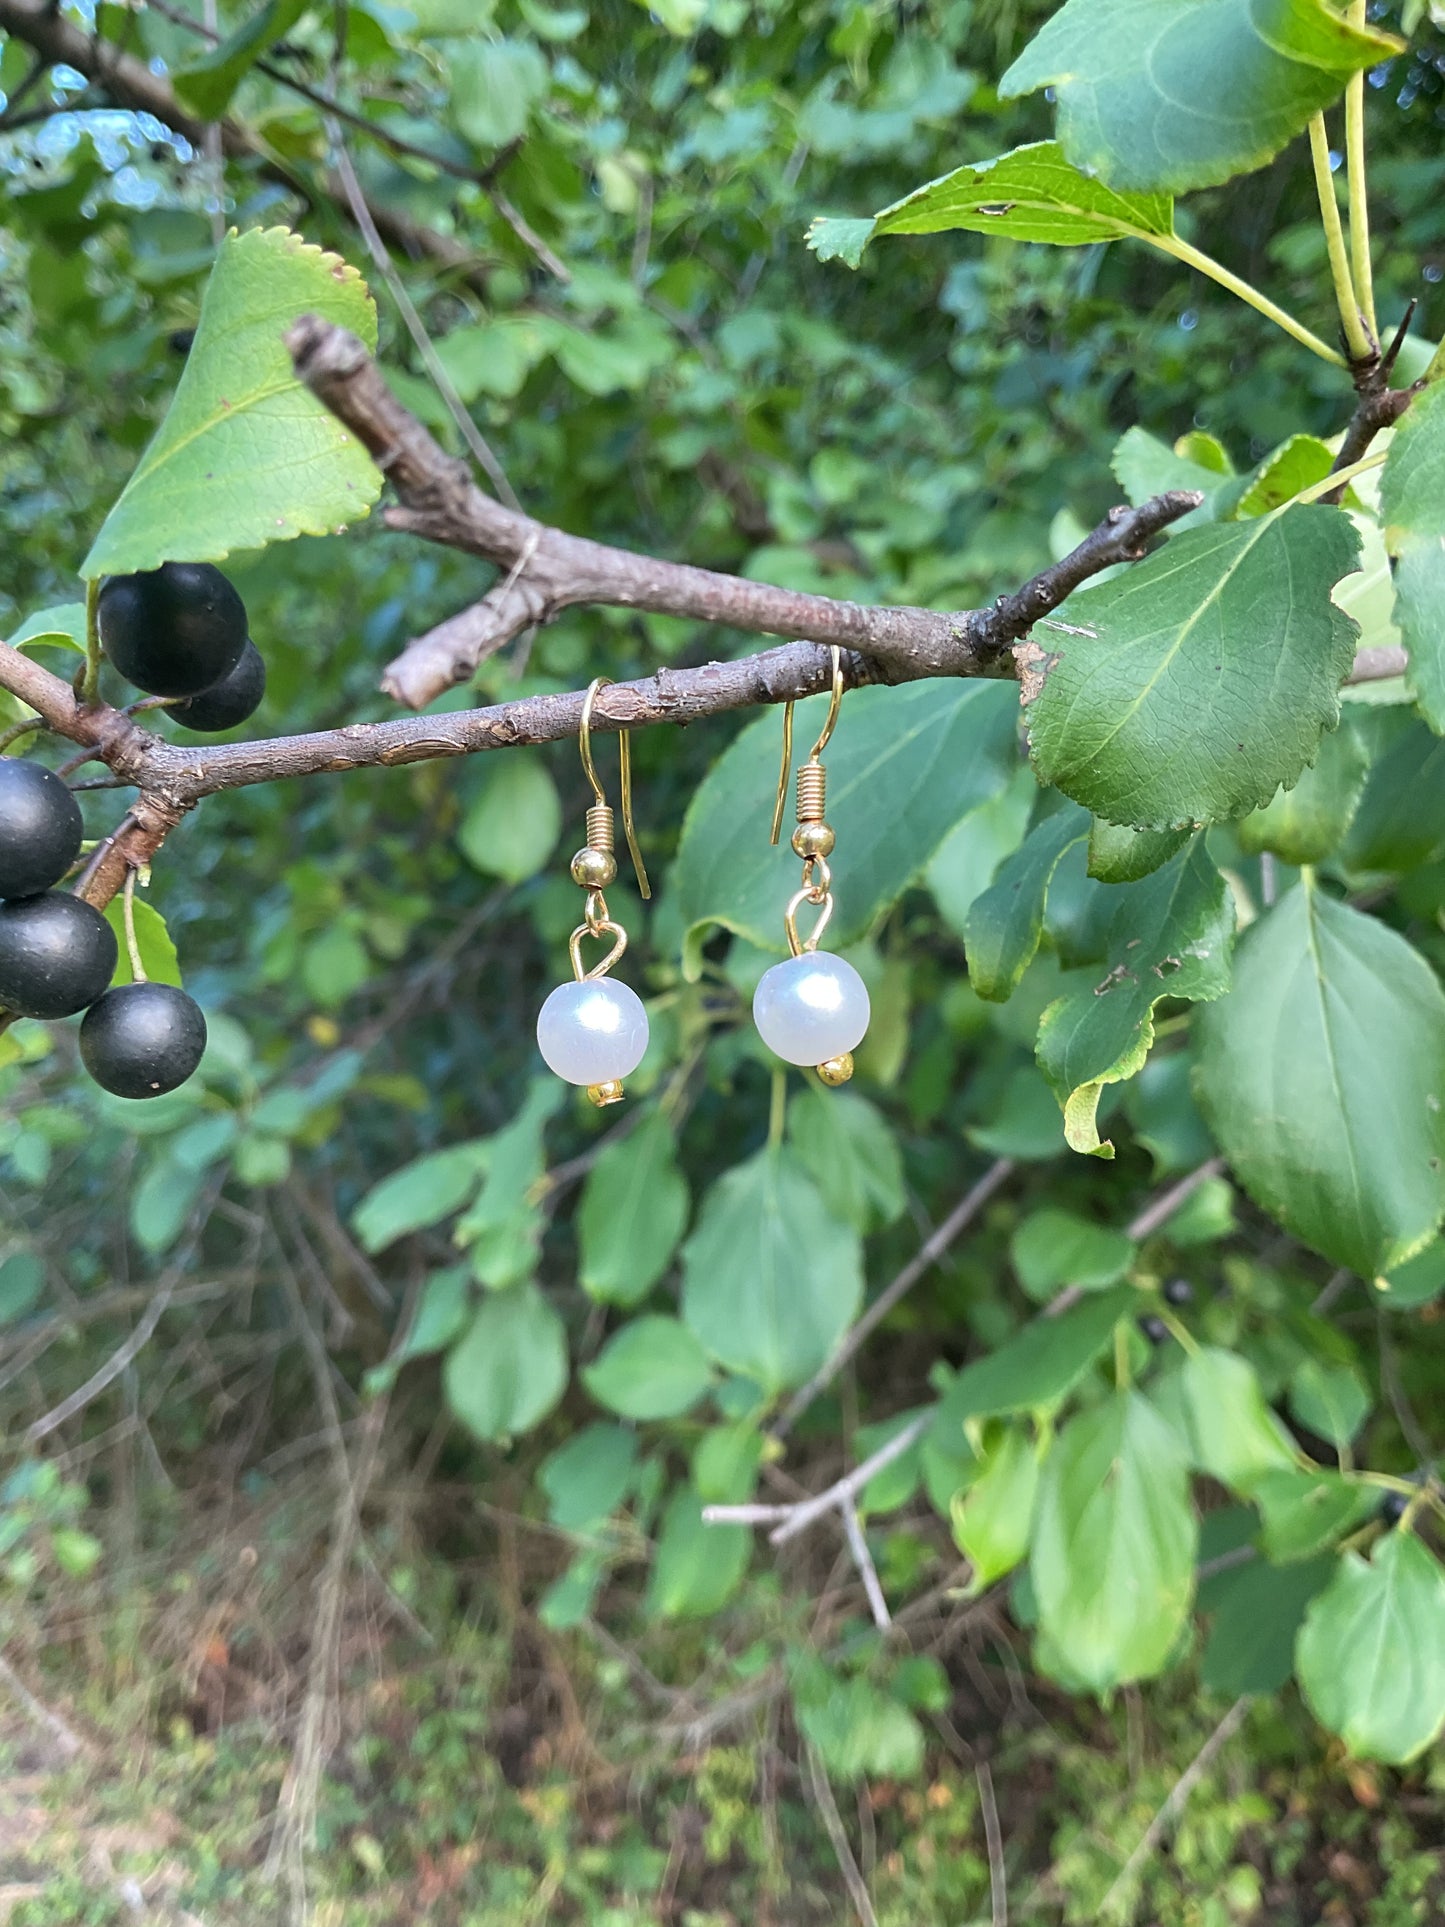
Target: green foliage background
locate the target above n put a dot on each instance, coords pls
(589, 1328)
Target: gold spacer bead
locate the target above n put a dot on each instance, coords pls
(813, 839)
(611, 1092)
(837, 1070)
(594, 869)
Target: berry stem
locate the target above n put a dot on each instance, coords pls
(90, 686)
(17, 730)
(137, 968)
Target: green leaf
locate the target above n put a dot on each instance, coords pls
(1400, 821)
(633, 1213)
(1145, 466)
(1332, 1401)
(726, 1460)
(912, 761)
(849, 1148)
(697, 1568)
(75, 1552)
(1322, 1075)
(1118, 854)
(1025, 1123)
(1304, 1512)
(1160, 1106)
(860, 1731)
(441, 1316)
(495, 86)
(161, 1203)
(1305, 824)
(22, 1281)
(1186, 94)
(993, 1519)
(1419, 1281)
(1231, 1432)
(1040, 1365)
(650, 1368)
(207, 84)
(1190, 687)
(1295, 465)
(1053, 1248)
(514, 819)
(771, 1279)
(1257, 1610)
(1169, 936)
(1114, 1543)
(967, 860)
(246, 455)
(586, 1479)
(1371, 1654)
(1002, 932)
(1412, 506)
(1032, 194)
(509, 1368)
(503, 1228)
(419, 1195)
(63, 624)
(152, 940)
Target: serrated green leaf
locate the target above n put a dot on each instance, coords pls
(1307, 823)
(1399, 823)
(1322, 1076)
(633, 1213)
(1169, 936)
(1004, 925)
(771, 1279)
(1371, 1653)
(1144, 466)
(967, 860)
(650, 1368)
(62, 624)
(911, 762)
(1190, 687)
(1114, 1543)
(246, 455)
(1412, 507)
(152, 939)
(509, 1368)
(1121, 855)
(1187, 94)
(1292, 467)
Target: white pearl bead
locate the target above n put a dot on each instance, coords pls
(810, 1008)
(594, 1032)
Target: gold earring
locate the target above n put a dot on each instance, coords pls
(593, 1031)
(813, 1007)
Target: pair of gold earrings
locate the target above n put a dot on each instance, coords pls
(810, 1009)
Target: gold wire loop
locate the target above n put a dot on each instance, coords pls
(786, 768)
(584, 737)
(823, 899)
(784, 773)
(604, 927)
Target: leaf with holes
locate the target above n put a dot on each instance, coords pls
(1189, 688)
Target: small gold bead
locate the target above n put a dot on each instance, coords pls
(594, 869)
(837, 1070)
(611, 1092)
(813, 839)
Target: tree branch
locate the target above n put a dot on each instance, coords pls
(550, 570)
(131, 83)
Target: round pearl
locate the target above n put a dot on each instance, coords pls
(810, 1008)
(594, 1032)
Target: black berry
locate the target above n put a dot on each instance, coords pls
(1154, 1329)
(40, 828)
(1178, 1291)
(142, 1040)
(231, 700)
(175, 630)
(1393, 1507)
(57, 954)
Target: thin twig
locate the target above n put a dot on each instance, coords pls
(796, 1518)
(65, 1737)
(927, 1255)
(993, 1838)
(867, 1571)
(112, 1368)
(1178, 1799)
(1145, 1223)
(832, 1820)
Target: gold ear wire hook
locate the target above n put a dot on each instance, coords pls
(584, 738)
(831, 723)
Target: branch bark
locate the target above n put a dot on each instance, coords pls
(549, 570)
(131, 83)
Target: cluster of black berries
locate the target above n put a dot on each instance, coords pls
(176, 631)
(180, 630)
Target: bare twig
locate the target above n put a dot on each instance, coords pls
(64, 1736)
(112, 1368)
(790, 1520)
(927, 1255)
(867, 1571)
(832, 1820)
(993, 1838)
(1177, 1801)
